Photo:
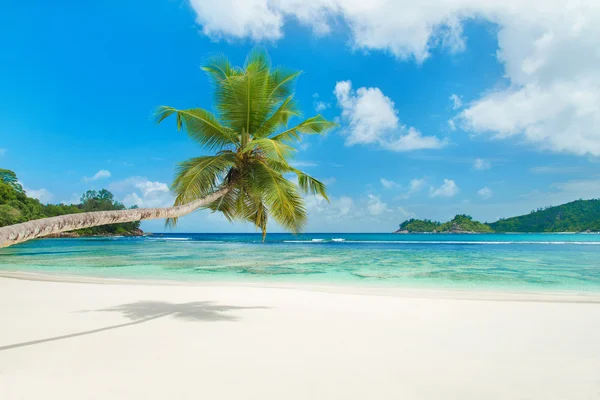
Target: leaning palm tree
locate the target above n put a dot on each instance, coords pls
(246, 178)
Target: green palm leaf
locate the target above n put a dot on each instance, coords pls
(201, 125)
(271, 149)
(314, 125)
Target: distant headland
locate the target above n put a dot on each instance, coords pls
(576, 216)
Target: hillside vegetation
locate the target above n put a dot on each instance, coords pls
(17, 207)
(576, 216)
(459, 224)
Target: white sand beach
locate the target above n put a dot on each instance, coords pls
(65, 340)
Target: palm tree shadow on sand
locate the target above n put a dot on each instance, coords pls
(144, 311)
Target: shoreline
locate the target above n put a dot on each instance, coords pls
(386, 291)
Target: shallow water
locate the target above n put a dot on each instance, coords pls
(516, 262)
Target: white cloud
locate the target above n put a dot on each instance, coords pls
(102, 174)
(388, 184)
(43, 195)
(479, 164)
(415, 186)
(485, 193)
(345, 213)
(148, 187)
(75, 199)
(2, 152)
(451, 125)
(447, 189)
(329, 211)
(256, 19)
(402, 28)
(456, 101)
(375, 206)
(372, 119)
(405, 214)
(143, 193)
(321, 105)
(548, 50)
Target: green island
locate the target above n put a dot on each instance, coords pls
(17, 207)
(575, 216)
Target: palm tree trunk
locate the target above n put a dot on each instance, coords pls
(19, 233)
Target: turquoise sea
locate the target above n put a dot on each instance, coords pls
(514, 262)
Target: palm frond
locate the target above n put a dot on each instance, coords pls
(270, 149)
(201, 125)
(281, 84)
(280, 195)
(310, 185)
(279, 117)
(307, 183)
(313, 125)
(241, 98)
(200, 176)
(219, 69)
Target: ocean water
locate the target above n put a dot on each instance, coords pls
(513, 262)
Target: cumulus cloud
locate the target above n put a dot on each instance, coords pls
(447, 189)
(75, 199)
(375, 206)
(43, 195)
(402, 28)
(451, 125)
(414, 186)
(344, 210)
(371, 118)
(321, 105)
(143, 193)
(256, 19)
(456, 101)
(405, 214)
(485, 193)
(548, 50)
(479, 164)
(388, 184)
(102, 174)
(337, 208)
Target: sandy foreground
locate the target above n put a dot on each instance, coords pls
(65, 340)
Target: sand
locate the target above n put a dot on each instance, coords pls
(119, 340)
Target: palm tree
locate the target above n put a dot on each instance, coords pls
(246, 178)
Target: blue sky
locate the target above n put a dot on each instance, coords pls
(490, 110)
